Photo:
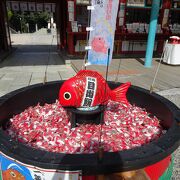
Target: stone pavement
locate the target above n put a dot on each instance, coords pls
(27, 68)
(35, 55)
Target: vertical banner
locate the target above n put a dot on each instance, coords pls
(101, 38)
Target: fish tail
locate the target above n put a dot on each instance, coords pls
(119, 94)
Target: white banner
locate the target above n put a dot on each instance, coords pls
(101, 39)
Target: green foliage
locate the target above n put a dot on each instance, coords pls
(42, 19)
(19, 21)
(10, 14)
(15, 22)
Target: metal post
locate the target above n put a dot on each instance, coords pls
(20, 25)
(152, 32)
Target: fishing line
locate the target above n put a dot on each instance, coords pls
(101, 148)
(87, 38)
(116, 79)
(157, 70)
(50, 47)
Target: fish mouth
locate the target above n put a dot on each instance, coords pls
(88, 108)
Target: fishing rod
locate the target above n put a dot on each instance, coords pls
(157, 70)
(101, 148)
(50, 47)
(120, 61)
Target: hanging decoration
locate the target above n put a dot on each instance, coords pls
(23, 6)
(32, 6)
(15, 6)
(102, 28)
(39, 7)
(47, 7)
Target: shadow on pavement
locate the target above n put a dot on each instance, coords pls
(33, 55)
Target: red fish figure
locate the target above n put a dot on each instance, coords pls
(88, 88)
(98, 45)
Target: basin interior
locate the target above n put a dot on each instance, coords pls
(17, 101)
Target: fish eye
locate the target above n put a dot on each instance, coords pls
(13, 174)
(67, 95)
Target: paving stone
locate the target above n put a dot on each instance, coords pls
(53, 76)
(15, 87)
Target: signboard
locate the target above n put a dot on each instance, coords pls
(101, 38)
(11, 169)
(90, 92)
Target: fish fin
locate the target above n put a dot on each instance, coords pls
(119, 94)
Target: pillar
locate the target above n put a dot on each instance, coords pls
(152, 32)
(5, 42)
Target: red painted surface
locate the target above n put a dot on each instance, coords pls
(89, 178)
(156, 170)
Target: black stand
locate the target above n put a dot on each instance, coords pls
(86, 117)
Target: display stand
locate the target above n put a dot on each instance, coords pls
(131, 27)
(77, 23)
(78, 116)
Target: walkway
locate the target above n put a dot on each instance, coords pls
(34, 55)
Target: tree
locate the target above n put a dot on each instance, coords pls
(42, 19)
(18, 21)
(10, 14)
(15, 22)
